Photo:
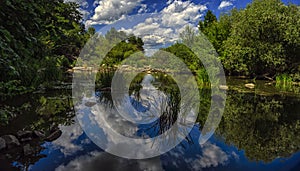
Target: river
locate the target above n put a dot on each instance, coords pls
(259, 130)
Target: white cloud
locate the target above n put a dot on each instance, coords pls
(85, 14)
(181, 13)
(164, 27)
(104, 161)
(143, 9)
(212, 156)
(225, 4)
(109, 11)
(65, 141)
(169, 2)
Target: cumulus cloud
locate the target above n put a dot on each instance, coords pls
(212, 156)
(143, 9)
(109, 11)
(225, 4)
(66, 141)
(180, 13)
(104, 161)
(164, 27)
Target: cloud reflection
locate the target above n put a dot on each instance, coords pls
(95, 161)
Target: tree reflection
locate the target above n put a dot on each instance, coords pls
(266, 127)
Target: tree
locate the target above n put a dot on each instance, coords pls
(216, 31)
(126, 45)
(209, 19)
(264, 39)
(188, 36)
(38, 38)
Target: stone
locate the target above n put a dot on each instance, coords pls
(24, 134)
(27, 149)
(26, 139)
(223, 87)
(55, 135)
(38, 134)
(250, 85)
(105, 89)
(90, 104)
(11, 141)
(2, 144)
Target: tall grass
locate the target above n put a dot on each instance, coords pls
(284, 81)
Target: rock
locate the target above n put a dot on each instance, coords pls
(11, 141)
(27, 149)
(223, 87)
(24, 134)
(53, 128)
(105, 89)
(90, 104)
(250, 85)
(26, 139)
(55, 135)
(270, 83)
(2, 144)
(38, 134)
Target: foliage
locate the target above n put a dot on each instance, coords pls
(184, 53)
(123, 50)
(264, 39)
(216, 31)
(110, 49)
(266, 127)
(38, 39)
(260, 40)
(7, 112)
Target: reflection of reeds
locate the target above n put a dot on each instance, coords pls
(104, 79)
(171, 110)
(168, 105)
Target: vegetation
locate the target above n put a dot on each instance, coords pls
(128, 45)
(37, 47)
(261, 40)
(265, 127)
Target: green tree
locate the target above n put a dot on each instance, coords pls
(125, 45)
(217, 31)
(209, 19)
(38, 38)
(264, 39)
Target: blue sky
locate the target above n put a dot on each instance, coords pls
(110, 10)
(157, 22)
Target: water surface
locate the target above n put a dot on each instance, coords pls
(259, 130)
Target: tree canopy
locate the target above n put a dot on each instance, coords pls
(37, 39)
(262, 39)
